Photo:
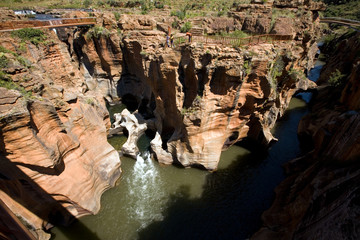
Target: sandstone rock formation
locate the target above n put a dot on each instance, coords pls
(201, 98)
(197, 99)
(135, 126)
(54, 155)
(205, 96)
(320, 197)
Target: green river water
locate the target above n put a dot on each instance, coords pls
(168, 202)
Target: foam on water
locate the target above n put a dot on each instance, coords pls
(145, 191)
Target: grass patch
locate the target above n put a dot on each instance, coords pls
(90, 101)
(180, 40)
(278, 13)
(4, 61)
(35, 36)
(6, 82)
(234, 34)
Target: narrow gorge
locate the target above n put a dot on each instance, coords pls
(192, 102)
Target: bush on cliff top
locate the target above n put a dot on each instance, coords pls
(186, 27)
(35, 36)
(97, 32)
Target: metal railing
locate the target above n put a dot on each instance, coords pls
(339, 19)
(54, 23)
(232, 41)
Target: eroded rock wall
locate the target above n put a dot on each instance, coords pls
(320, 197)
(198, 99)
(205, 98)
(54, 155)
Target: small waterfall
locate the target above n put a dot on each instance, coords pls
(55, 22)
(145, 191)
(23, 12)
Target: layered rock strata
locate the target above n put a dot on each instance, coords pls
(54, 155)
(320, 197)
(205, 98)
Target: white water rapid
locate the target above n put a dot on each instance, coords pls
(145, 191)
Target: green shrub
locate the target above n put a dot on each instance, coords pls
(87, 3)
(175, 24)
(328, 38)
(159, 4)
(35, 36)
(117, 16)
(276, 71)
(97, 32)
(179, 13)
(145, 6)
(100, 3)
(23, 61)
(247, 67)
(186, 27)
(6, 82)
(3, 76)
(179, 40)
(297, 73)
(336, 78)
(90, 101)
(4, 61)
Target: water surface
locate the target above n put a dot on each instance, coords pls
(167, 202)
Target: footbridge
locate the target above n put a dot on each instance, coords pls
(342, 21)
(54, 23)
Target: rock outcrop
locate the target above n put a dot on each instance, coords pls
(135, 126)
(205, 98)
(54, 155)
(320, 197)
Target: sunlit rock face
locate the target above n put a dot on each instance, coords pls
(55, 158)
(205, 98)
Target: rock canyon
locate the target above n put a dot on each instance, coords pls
(195, 100)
